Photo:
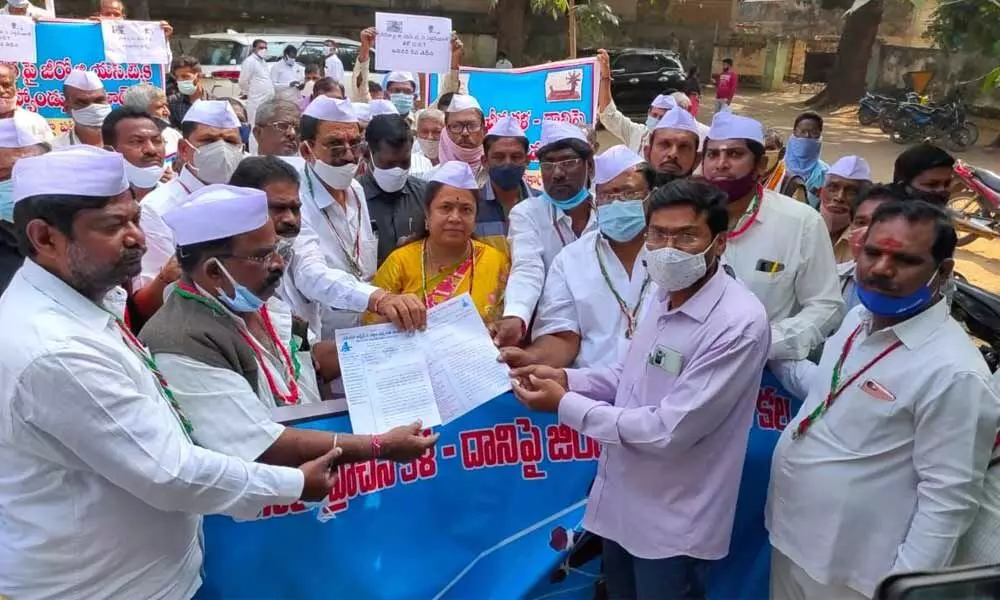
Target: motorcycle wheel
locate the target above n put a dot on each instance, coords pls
(968, 205)
(867, 116)
(960, 138)
(975, 131)
(887, 123)
(904, 132)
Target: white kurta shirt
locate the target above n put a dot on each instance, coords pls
(283, 74)
(334, 67)
(36, 122)
(321, 272)
(255, 82)
(786, 260)
(577, 299)
(159, 237)
(890, 477)
(226, 414)
(538, 231)
(99, 486)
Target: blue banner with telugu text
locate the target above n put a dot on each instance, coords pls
(492, 513)
(565, 90)
(62, 47)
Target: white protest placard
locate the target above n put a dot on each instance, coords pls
(413, 43)
(138, 42)
(17, 39)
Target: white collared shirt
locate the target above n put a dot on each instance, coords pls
(65, 140)
(334, 67)
(786, 259)
(981, 543)
(159, 237)
(538, 231)
(419, 164)
(226, 414)
(255, 80)
(283, 74)
(99, 486)
(320, 271)
(36, 122)
(890, 477)
(577, 299)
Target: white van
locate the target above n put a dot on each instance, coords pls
(222, 54)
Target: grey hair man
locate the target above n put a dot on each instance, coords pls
(276, 128)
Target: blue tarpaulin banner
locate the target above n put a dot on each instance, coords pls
(564, 90)
(62, 47)
(491, 514)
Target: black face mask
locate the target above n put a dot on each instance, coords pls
(935, 198)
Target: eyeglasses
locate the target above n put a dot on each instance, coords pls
(565, 165)
(341, 150)
(470, 126)
(284, 127)
(283, 251)
(659, 238)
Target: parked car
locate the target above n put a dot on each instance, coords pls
(222, 54)
(638, 75)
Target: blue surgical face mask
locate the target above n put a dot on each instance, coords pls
(569, 203)
(402, 102)
(802, 154)
(507, 177)
(622, 220)
(7, 201)
(651, 122)
(243, 300)
(881, 305)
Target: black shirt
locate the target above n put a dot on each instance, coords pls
(395, 215)
(10, 258)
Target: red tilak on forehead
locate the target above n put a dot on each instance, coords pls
(888, 243)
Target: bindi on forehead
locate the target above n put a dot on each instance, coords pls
(887, 242)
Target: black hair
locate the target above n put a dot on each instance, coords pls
(392, 130)
(917, 159)
(109, 129)
(290, 51)
(58, 210)
(374, 87)
(444, 101)
(727, 61)
(312, 68)
(808, 116)
(257, 41)
(430, 191)
(259, 171)
(651, 176)
(192, 255)
(323, 86)
(491, 139)
(700, 195)
(878, 191)
(308, 128)
(582, 149)
(918, 211)
(185, 61)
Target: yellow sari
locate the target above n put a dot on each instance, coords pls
(484, 277)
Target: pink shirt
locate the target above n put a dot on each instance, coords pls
(725, 87)
(674, 436)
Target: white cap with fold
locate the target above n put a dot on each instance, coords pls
(727, 126)
(664, 101)
(18, 3)
(362, 111)
(613, 162)
(213, 113)
(87, 81)
(80, 170)
(506, 127)
(400, 77)
(851, 167)
(14, 133)
(217, 212)
(382, 107)
(456, 174)
(461, 102)
(334, 110)
(557, 131)
(678, 118)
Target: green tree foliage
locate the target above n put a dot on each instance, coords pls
(967, 26)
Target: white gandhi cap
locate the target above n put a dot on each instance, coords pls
(727, 126)
(678, 118)
(456, 174)
(87, 81)
(664, 101)
(851, 167)
(362, 111)
(506, 127)
(557, 131)
(382, 107)
(75, 171)
(613, 162)
(217, 212)
(14, 133)
(335, 110)
(460, 102)
(213, 113)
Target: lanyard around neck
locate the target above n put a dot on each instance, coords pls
(631, 316)
(353, 262)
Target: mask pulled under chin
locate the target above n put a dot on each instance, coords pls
(243, 300)
(736, 188)
(143, 177)
(882, 305)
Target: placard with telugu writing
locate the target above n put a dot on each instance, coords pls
(414, 43)
(141, 42)
(17, 39)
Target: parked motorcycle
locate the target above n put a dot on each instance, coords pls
(975, 203)
(945, 124)
(882, 108)
(979, 312)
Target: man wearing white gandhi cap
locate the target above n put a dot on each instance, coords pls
(336, 222)
(17, 141)
(506, 152)
(211, 150)
(86, 101)
(98, 445)
(542, 226)
(847, 179)
(674, 146)
(597, 288)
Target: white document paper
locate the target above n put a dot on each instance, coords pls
(414, 43)
(17, 39)
(393, 378)
(140, 42)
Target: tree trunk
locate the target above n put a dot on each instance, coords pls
(846, 83)
(571, 20)
(511, 36)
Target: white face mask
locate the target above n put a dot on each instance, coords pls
(92, 115)
(390, 180)
(216, 162)
(143, 177)
(673, 269)
(429, 148)
(261, 53)
(339, 178)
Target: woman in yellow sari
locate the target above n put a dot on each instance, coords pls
(447, 262)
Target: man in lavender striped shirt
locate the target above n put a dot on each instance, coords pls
(674, 416)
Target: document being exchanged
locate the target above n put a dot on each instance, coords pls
(393, 378)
